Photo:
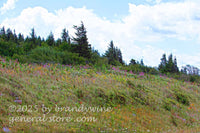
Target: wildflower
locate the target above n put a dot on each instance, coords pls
(113, 68)
(131, 72)
(134, 114)
(18, 101)
(141, 73)
(5, 129)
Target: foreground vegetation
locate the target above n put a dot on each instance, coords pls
(134, 102)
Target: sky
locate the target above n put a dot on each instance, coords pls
(142, 29)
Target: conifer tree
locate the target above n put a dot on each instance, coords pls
(50, 40)
(169, 65)
(113, 54)
(162, 66)
(83, 48)
(65, 36)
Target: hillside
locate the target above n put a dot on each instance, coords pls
(94, 100)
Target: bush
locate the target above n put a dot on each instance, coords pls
(72, 58)
(168, 104)
(192, 79)
(50, 55)
(43, 55)
(182, 98)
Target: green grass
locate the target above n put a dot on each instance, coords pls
(134, 103)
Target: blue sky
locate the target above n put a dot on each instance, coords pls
(140, 28)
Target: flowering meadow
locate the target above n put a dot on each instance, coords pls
(40, 98)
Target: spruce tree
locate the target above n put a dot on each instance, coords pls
(83, 48)
(175, 67)
(33, 38)
(110, 53)
(50, 40)
(170, 64)
(65, 36)
(142, 62)
(162, 66)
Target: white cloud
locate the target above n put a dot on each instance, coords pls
(154, 1)
(144, 23)
(9, 5)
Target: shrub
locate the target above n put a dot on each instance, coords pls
(72, 58)
(43, 55)
(182, 98)
(50, 55)
(192, 79)
(168, 103)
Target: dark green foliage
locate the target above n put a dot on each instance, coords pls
(114, 55)
(168, 104)
(71, 58)
(64, 46)
(182, 97)
(79, 93)
(50, 55)
(168, 66)
(142, 62)
(33, 38)
(50, 40)
(43, 55)
(163, 64)
(192, 78)
(82, 48)
(65, 36)
(9, 49)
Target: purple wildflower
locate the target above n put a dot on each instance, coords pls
(141, 73)
(18, 101)
(131, 72)
(5, 129)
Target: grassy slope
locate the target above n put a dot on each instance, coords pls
(139, 103)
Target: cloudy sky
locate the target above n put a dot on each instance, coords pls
(142, 29)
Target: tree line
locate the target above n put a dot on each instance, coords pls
(76, 50)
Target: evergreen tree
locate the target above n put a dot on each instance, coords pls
(20, 37)
(9, 35)
(175, 67)
(119, 54)
(142, 62)
(110, 53)
(169, 65)
(65, 36)
(58, 42)
(114, 55)
(3, 33)
(50, 40)
(83, 48)
(15, 37)
(162, 66)
(132, 62)
(39, 41)
(33, 36)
